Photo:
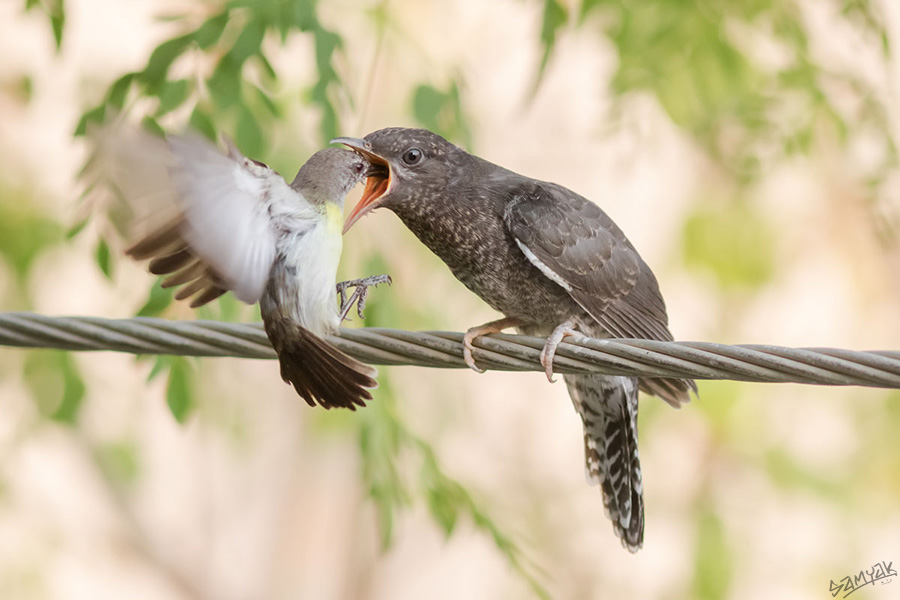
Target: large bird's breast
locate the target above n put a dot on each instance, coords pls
(470, 237)
(301, 285)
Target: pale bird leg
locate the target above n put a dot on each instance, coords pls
(360, 294)
(486, 329)
(562, 331)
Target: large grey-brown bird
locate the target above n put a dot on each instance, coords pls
(553, 263)
(222, 222)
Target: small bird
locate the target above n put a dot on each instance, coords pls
(553, 263)
(223, 222)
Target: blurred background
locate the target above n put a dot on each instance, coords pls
(747, 148)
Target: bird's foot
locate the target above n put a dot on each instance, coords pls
(486, 329)
(562, 331)
(360, 294)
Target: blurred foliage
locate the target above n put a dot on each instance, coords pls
(25, 231)
(55, 10)
(119, 461)
(696, 58)
(399, 467)
(56, 384)
(233, 87)
(240, 97)
(732, 242)
(179, 386)
(713, 560)
(442, 112)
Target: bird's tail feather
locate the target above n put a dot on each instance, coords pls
(608, 408)
(675, 392)
(319, 372)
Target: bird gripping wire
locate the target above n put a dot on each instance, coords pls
(641, 358)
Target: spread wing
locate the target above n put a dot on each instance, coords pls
(575, 244)
(578, 246)
(226, 222)
(211, 226)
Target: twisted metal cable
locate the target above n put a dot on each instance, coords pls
(645, 358)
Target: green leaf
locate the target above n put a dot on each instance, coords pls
(73, 392)
(326, 43)
(713, 559)
(209, 33)
(202, 123)
(118, 91)
(248, 42)
(266, 101)
(77, 228)
(443, 509)
(119, 461)
(554, 18)
(172, 95)
(248, 135)
(57, 13)
(24, 234)
(161, 364)
(158, 300)
(178, 390)
(104, 258)
(154, 74)
(55, 383)
(441, 112)
(225, 83)
(427, 103)
(151, 125)
(95, 115)
(268, 69)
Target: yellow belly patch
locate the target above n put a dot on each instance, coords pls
(334, 218)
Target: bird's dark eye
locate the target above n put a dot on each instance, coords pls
(412, 156)
(358, 167)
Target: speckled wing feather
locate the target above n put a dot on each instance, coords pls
(589, 256)
(574, 243)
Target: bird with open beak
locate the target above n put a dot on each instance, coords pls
(217, 222)
(553, 263)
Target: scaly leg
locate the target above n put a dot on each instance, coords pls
(476, 332)
(360, 294)
(562, 331)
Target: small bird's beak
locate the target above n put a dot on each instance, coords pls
(379, 179)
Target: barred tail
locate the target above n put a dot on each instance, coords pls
(319, 372)
(608, 407)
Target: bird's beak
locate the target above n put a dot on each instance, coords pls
(379, 179)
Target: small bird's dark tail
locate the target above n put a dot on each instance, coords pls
(608, 408)
(319, 372)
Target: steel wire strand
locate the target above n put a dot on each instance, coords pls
(644, 358)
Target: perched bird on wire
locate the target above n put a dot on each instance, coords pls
(216, 222)
(553, 263)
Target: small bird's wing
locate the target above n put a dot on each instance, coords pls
(575, 244)
(226, 220)
(207, 216)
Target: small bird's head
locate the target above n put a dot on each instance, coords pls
(329, 175)
(405, 165)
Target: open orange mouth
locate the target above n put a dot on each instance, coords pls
(379, 180)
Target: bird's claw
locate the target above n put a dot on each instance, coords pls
(468, 338)
(360, 294)
(548, 352)
(477, 332)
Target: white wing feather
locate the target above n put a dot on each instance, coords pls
(227, 222)
(230, 210)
